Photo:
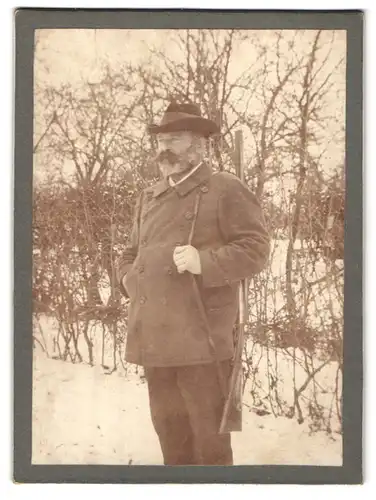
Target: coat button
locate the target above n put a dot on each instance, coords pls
(169, 270)
(142, 300)
(204, 189)
(141, 269)
(188, 215)
(143, 242)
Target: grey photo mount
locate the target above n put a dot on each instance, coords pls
(26, 22)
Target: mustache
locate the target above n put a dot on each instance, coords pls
(168, 155)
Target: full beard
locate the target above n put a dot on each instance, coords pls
(172, 164)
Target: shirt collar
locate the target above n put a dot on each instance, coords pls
(194, 178)
(173, 183)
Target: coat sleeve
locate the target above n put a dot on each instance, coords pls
(130, 253)
(247, 242)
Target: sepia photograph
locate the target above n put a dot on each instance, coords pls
(188, 246)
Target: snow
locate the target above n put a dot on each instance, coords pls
(83, 416)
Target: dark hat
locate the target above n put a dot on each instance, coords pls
(184, 117)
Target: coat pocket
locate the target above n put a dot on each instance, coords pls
(217, 298)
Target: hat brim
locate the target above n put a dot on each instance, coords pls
(197, 125)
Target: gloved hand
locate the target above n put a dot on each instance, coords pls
(187, 258)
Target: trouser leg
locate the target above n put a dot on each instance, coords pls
(169, 416)
(199, 386)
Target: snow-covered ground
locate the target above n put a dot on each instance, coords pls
(83, 416)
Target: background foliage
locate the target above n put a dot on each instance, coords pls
(286, 91)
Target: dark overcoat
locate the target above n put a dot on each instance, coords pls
(164, 324)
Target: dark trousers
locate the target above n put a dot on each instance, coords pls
(186, 405)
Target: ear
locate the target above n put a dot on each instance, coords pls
(202, 142)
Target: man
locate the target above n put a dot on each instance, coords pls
(192, 225)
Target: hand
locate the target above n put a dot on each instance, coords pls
(187, 258)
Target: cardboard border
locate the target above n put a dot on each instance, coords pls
(26, 21)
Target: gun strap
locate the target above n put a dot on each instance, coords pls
(201, 307)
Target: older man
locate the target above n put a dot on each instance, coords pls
(192, 225)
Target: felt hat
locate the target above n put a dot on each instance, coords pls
(184, 117)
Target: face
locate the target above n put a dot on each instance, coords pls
(177, 151)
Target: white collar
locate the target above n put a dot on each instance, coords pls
(173, 183)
